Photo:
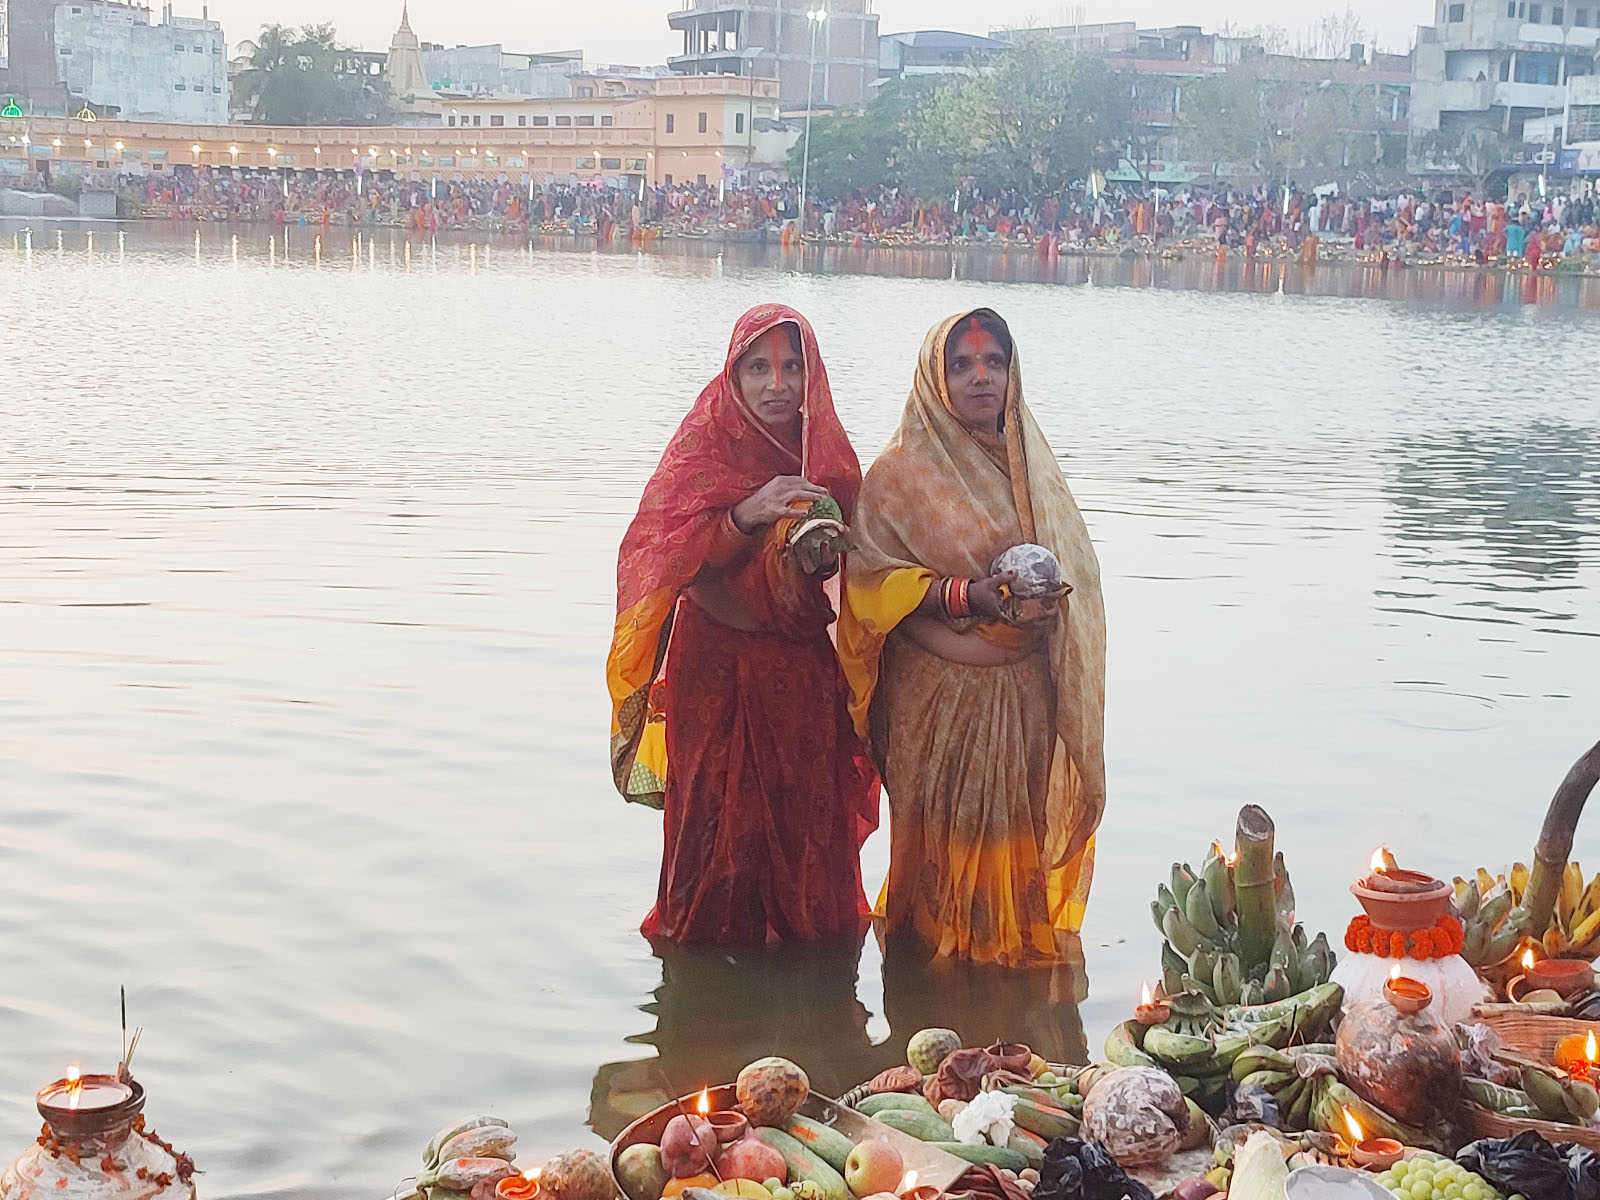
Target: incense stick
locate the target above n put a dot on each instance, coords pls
(699, 1138)
(122, 990)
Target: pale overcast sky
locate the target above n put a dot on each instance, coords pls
(635, 31)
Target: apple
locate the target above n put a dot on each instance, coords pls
(873, 1166)
(687, 1145)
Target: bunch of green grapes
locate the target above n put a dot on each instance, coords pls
(1434, 1178)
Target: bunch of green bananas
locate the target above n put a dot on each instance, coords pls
(1493, 924)
(1495, 921)
(1200, 1045)
(1197, 917)
(1310, 1094)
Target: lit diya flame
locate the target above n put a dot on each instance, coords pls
(909, 1182)
(74, 1086)
(1527, 959)
(1395, 974)
(1144, 995)
(703, 1105)
(1591, 1051)
(1357, 1134)
(533, 1175)
(1380, 857)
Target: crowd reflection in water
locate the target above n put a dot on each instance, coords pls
(717, 1010)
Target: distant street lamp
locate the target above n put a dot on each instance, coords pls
(816, 16)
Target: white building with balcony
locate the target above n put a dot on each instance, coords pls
(1485, 68)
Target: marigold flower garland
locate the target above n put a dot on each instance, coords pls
(1443, 938)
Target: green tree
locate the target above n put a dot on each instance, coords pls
(305, 76)
(1047, 115)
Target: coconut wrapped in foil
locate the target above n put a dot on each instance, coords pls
(1037, 568)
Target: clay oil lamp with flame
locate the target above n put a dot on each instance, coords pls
(1373, 1154)
(1407, 995)
(1578, 1055)
(729, 1124)
(910, 1191)
(90, 1110)
(1151, 1011)
(1400, 901)
(1564, 976)
(519, 1187)
(1521, 989)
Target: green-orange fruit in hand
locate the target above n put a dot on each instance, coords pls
(825, 509)
(771, 1090)
(930, 1047)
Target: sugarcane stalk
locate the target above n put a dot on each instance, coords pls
(1555, 839)
(1255, 885)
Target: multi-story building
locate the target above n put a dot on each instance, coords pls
(111, 55)
(29, 75)
(681, 130)
(491, 68)
(933, 52)
(827, 61)
(1484, 68)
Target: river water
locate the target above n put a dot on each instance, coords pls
(307, 583)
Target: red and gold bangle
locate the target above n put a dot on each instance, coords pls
(963, 603)
(953, 598)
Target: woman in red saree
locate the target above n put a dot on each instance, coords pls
(729, 707)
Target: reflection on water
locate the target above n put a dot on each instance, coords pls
(1188, 268)
(307, 579)
(1523, 496)
(717, 1010)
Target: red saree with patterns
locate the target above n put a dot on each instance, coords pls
(742, 735)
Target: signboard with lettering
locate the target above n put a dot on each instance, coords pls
(4, 26)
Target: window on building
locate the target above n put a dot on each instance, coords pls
(1583, 123)
(76, 9)
(496, 121)
(1535, 14)
(451, 121)
(199, 49)
(477, 120)
(66, 52)
(1505, 70)
(563, 121)
(669, 180)
(179, 47)
(586, 122)
(611, 164)
(540, 122)
(701, 180)
(1558, 15)
(608, 122)
(670, 122)
(738, 122)
(702, 122)
(1580, 16)
(178, 87)
(522, 120)
(1456, 13)
(217, 91)
(1522, 9)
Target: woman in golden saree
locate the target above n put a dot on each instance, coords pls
(987, 731)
